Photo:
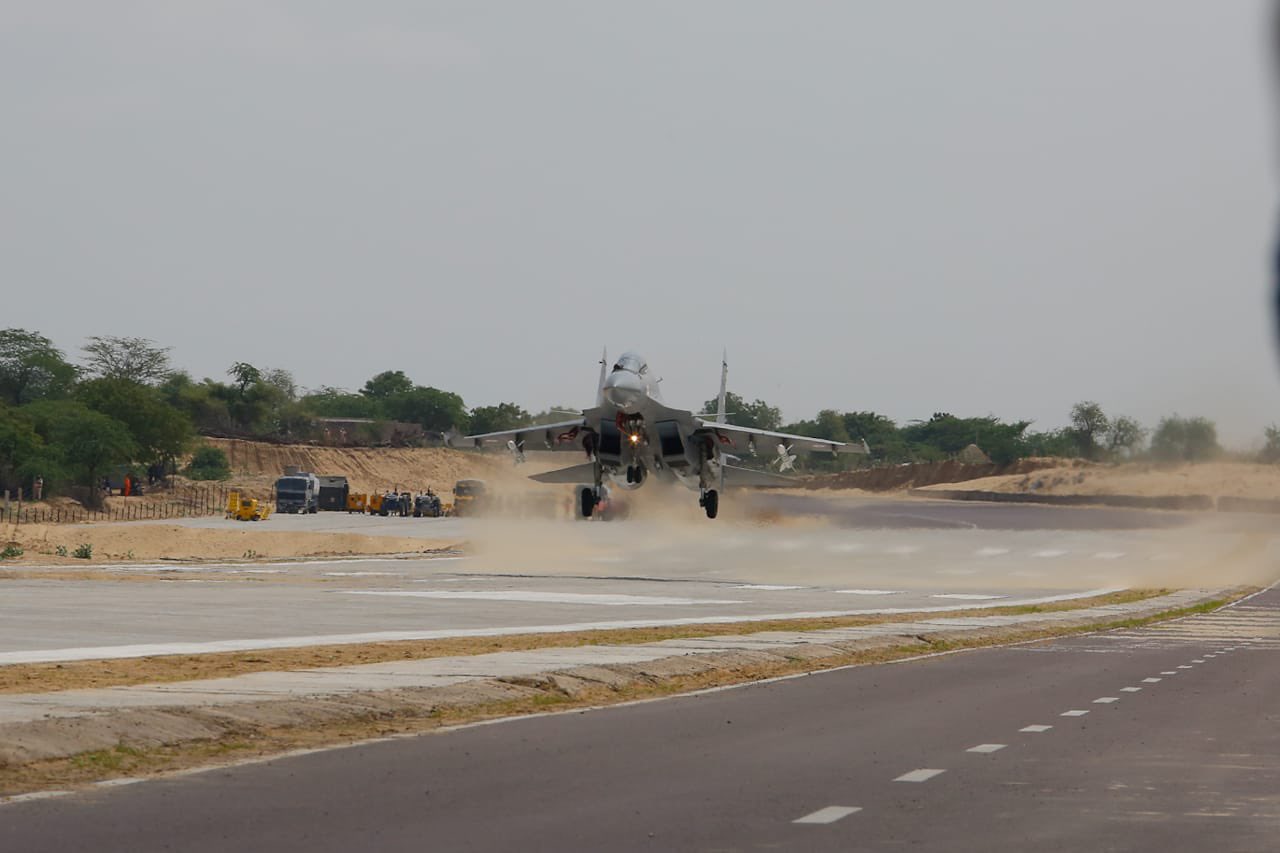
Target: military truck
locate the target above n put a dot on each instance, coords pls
(298, 493)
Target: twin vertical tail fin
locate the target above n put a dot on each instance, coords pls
(604, 369)
(721, 415)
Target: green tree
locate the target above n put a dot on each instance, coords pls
(754, 415)
(881, 434)
(135, 359)
(20, 447)
(1178, 439)
(32, 368)
(245, 375)
(1125, 436)
(1270, 453)
(327, 402)
(1089, 425)
(389, 383)
(87, 443)
(159, 431)
(432, 409)
(503, 416)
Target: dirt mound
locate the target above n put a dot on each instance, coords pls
(1220, 479)
(256, 465)
(913, 476)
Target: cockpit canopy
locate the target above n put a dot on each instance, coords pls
(632, 363)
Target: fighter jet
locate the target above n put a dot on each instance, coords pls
(630, 436)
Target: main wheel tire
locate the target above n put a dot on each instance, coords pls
(712, 503)
(587, 501)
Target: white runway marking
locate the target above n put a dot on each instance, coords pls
(1036, 728)
(615, 600)
(1073, 713)
(1106, 700)
(902, 550)
(766, 586)
(967, 596)
(830, 814)
(363, 574)
(869, 591)
(845, 547)
(956, 572)
(1048, 553)
(1185, 666)
(1108, 555)
(1169, 672)
(1197, 660)
(1152, 680)
(1130, 689)
(990, 552)
(924, 774)
(987, 747)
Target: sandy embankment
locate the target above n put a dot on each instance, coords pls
(1218, 479)
(136, 541)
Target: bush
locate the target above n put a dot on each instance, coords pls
(83, 551)
(209, 463)
(10, 551)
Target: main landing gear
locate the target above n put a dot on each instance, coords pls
(635, 474)
(588, 500)
(710, 501)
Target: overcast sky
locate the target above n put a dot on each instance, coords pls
(978, 207)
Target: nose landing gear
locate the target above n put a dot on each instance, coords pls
(635, 474)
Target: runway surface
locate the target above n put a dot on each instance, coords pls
(1160, 738)
(825, 557)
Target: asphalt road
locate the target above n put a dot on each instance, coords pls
(1155, 739)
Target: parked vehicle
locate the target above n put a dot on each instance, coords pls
(469, 496)
(297, 493)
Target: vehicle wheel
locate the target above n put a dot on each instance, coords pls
(712, 503)
(587, 499)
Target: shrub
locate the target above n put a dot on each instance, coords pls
(83, 551)
(209, 463)
(10, 551)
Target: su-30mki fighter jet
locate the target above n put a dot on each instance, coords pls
(630, 435)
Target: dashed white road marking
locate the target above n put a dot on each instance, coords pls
(1106, 700)
(772, 587)
(1048, 553)
(967, 596)
(1198, 660)
(1152, 680)
(987, 747)
(1073, 713)
(1169, 672)
(924, 774)
(1184, 666)
(1130, 689)
(1036, 728)
(830, 814)
(869, 591)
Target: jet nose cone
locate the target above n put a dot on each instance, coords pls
(624, 390)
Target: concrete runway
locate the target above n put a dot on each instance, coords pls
(1160, 738)
(828, 557)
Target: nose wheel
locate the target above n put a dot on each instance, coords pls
(710, 501)
(587, 499)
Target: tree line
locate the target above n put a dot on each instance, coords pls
(125, 405)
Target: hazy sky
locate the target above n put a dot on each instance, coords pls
(978, 207)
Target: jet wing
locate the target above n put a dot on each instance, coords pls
(748, 440)
(584, 474)
(565, 435)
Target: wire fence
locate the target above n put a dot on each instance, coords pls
(185, 502)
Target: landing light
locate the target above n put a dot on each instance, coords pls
(635, 438)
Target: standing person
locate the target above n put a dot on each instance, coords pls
(37, 488)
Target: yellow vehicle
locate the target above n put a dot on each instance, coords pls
(251, 509)
(357, 503)
(374, 504)
(468, 496)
